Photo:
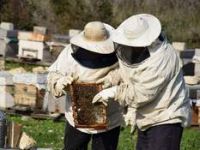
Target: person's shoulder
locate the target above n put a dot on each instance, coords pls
(67, 49)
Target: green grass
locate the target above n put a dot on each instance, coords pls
(50, 134)
(191, 139)
(46, 132)
(12, 65)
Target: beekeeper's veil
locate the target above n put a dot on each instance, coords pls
(135, 37)
(93, 47)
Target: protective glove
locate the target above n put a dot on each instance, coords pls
(130, 118)
(105, 95)
(52, 78)
(62, 83)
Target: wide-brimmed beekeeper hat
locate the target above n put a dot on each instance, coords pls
(95, 37)
(138, 31)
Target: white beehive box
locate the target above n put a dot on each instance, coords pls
(40, 30)
(6, 90)
(31, 49)
(196, 57)
(179, 46)
(31, 36)
(8, 33)
(7, 26)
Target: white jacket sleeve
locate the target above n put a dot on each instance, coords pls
(113, 78)
(59, 69)
(147, 81)
(147, 88)
(143, 87)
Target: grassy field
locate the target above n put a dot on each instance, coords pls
(50, 134)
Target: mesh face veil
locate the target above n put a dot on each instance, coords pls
(131, 55)
(92, 59)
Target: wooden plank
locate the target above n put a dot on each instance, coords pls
(19, 111)
(28, 61)
(45, 116)
(22, 108)
(14, 134)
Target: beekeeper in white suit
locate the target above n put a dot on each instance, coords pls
(153, 86)
(88, 58)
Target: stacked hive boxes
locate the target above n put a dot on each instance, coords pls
(8, 40)
(29, 89)
(31, 44)
(191, 66)
(190, 59)
(6, 90)
(194, 93)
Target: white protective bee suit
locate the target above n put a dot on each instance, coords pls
(67, 65)
(155, 89)
(153, 86)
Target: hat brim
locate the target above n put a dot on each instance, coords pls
(146, 39)
(102, 47)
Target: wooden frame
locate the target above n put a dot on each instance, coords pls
(85, 113)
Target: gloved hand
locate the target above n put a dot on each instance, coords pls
(62, 83)
(130, 118)
(105, 95)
